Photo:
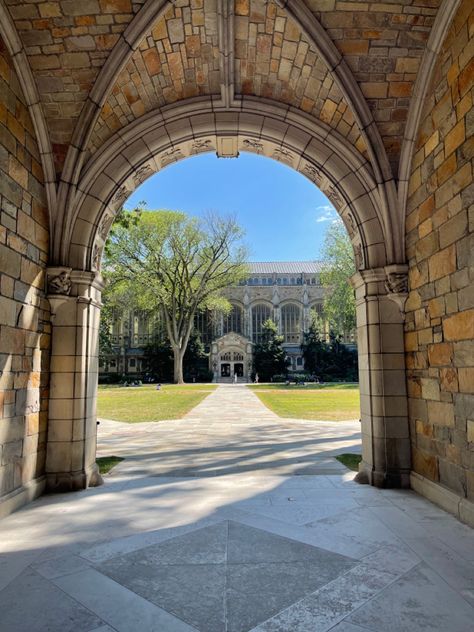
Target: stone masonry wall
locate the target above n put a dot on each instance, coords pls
(439, 330)
(24, 311)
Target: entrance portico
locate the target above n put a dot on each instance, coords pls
(230, 355)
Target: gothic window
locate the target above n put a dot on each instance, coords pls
(226, 357)
(318, 308)
(291, 322)
(233, 320)
(238, 357)
(203, 326)
(260, 313)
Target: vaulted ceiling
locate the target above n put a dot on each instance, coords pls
(320, 56)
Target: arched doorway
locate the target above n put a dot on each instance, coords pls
(327, 160)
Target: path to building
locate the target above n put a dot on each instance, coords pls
(233, 520)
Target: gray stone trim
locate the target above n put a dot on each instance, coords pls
(299, 12)
(457, 505)
(439, 31)
(225, 29)
(260, 126)
(344, 78)
(22, 496)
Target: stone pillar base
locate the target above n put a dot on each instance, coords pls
(383, 479)
(74, 481)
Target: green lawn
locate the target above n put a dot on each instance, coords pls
(328, 402)
(106, 463)
(350, 460)
(134, 404)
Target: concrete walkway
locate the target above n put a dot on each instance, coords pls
(233, 520)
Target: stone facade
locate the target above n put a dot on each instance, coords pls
(439, 328)
(286, 292)
(24, 310)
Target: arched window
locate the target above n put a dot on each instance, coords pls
(260, 313)
(318, 308)
(203, 326)
(233, 320)
(291, 322)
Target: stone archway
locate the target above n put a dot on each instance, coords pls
(265, 128)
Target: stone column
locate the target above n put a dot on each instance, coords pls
(72, 431)
(380, 298)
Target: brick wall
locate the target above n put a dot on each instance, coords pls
(439, 336)
(24, 315)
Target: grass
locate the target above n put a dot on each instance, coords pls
(328, 402)
(106, 463)
(350, 460)
(135, 404)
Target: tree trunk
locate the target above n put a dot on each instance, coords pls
(178, 365)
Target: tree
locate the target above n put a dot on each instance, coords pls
(269, 355)
(328, 360)
(313, 347)
(176, 264)
(339, 302)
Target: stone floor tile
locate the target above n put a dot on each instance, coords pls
(233, 469)
(332, 603)
(122, 609)
(31, 602)
(418, 601)
(59, 566)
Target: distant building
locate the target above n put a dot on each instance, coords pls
(284, 291)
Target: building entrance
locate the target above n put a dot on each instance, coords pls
(225, 370)
(238, 369)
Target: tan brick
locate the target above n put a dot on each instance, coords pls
(466, 379)
(442, 263)
(425, 464)
(455, 138)
(460, 326)
(441, 413)
(440, 354)
(449, 380)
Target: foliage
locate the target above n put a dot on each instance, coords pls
(339, 402)
(269, 355)
(169, 262)
(135, 404)
(339, 303)
(331, 360)
(159, 360)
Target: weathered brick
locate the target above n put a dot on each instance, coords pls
(459, 326)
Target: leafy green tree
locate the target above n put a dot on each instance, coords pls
(339, 302)
(269, 355)
(169, 262)
(328, 360)
(159, 359)
(313, 346)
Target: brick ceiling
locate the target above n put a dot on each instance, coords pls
(68, 41)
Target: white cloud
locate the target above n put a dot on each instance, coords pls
(326, 213)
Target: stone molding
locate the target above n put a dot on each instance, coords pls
(438, 33)
(297, 10)
(194, 126)
(460, 507)
(22, 496)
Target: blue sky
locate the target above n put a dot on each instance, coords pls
(284, 215)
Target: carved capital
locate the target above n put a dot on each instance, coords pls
(59, 281)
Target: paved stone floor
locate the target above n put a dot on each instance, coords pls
(234, 520)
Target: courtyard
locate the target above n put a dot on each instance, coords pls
(233, 519)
